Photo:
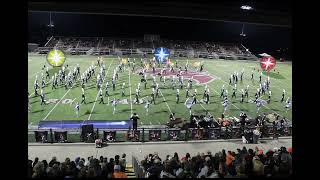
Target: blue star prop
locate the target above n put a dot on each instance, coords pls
(161, 54)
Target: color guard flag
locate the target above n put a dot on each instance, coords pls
(125, 61)
(196, 64)
(267, 63)
(146, 66)
(169, 62)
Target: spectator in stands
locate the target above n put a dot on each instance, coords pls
(258, 167)
(38, 171)
(155, 169)
(117, 160)
(53, 161)
(123, 162)
(166, 172)
(36, 160)
(104, 167)
(77, 160)
(82, 173)
(186, 158)
(204, 170)
(285, 161)
(29, 168)
(117, 173)
(80, 164)
(212, 173)
(230, 163)
(222, 169)
(110, 166)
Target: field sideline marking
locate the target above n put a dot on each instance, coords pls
(98, 92)
(130, 92)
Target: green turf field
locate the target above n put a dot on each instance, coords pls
(158, 113)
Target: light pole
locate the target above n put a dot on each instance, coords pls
(51, 25)
(242, 35)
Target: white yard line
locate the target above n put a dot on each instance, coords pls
(56, 104)
(209, 113)
(35, 73)
(205, 108)
(165, 101)
(94, 104)
(130, 93)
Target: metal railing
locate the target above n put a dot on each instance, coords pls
(145, 134)
(138, 168)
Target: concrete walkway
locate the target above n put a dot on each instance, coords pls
(138, 149)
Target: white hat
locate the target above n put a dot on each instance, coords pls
(156, 161)
(207, 158)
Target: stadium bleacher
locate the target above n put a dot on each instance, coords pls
(179, 48)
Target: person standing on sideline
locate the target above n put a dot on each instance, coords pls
(147, 106)
(256, 135)
(77, 107)
(134, 119)
(177, 96)
(114, 104)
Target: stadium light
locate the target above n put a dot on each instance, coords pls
(246, 7)
(51, 25)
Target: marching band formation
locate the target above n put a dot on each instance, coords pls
(68, 78)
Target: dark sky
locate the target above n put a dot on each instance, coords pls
(259, 38)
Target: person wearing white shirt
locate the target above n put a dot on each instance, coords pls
(256, 135)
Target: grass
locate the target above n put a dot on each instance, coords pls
(158, 113)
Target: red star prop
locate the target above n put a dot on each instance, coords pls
(267, 63)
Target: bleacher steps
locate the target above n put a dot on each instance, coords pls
(130, 171)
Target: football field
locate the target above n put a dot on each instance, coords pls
(61, 102)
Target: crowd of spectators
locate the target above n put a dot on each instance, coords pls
(224, 164)
(79, 168)
(244, 163)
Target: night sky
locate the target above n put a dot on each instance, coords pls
(260, 38)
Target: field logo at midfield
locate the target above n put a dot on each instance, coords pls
(200, 77)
